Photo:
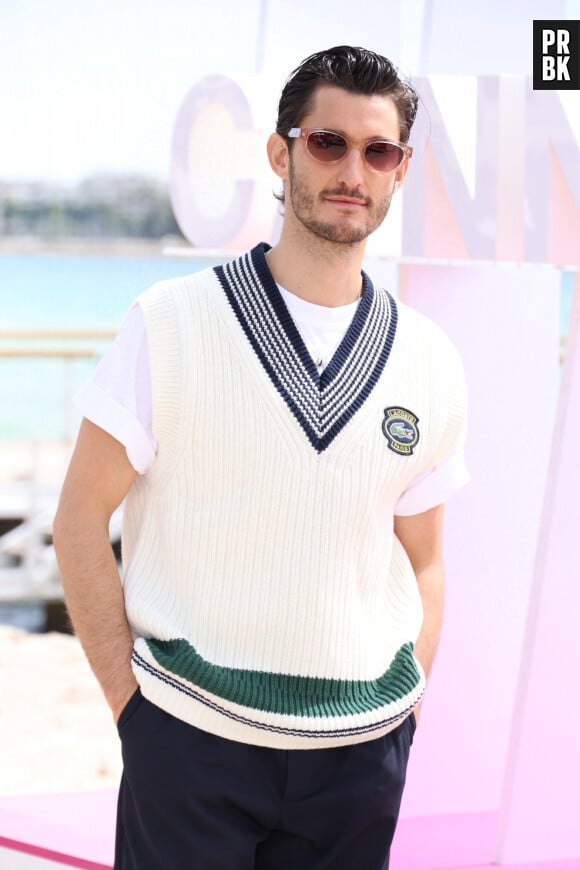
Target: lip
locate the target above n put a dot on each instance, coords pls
(346, 200)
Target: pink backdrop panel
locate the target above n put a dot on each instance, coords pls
(504, 321)
(541, 806)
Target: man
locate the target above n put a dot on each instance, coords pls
(285, 435)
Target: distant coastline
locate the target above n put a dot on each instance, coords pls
(121, 215)
(122, 247)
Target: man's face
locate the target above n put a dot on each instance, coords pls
(346, 201)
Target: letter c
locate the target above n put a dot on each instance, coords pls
(209, 202)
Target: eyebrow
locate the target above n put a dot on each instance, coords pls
(346, 135)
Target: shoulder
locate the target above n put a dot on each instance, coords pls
(421, 333)
(416, 323)
(172, 293)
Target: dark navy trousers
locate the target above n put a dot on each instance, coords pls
(189, 800)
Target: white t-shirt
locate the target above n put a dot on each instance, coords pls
(117, 397)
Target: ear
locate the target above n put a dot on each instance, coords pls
(278, 155)
(400, 174)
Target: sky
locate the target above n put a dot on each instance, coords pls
(96, 87)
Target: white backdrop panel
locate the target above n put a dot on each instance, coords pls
(505, 322)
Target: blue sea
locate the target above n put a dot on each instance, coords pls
(56, 291)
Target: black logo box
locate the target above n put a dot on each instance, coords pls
(552, 47)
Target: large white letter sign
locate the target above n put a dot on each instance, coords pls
(210, 200)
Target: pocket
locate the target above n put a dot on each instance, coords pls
(130, 708)
(412, 725)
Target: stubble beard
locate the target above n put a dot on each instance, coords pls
(303, 205)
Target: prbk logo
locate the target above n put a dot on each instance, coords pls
(556, 55)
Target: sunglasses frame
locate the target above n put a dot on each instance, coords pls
(360, 144)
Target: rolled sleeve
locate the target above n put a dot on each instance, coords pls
(117, 397)
(435, 486)
(100, 408)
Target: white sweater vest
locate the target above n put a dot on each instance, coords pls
(270, 601)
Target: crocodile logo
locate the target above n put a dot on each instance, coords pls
(401, 430)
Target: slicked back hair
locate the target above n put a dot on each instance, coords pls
(357, 70)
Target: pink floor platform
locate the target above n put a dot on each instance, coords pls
(77, 830)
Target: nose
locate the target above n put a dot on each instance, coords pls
(351, 169)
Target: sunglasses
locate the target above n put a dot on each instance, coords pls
(326, 146)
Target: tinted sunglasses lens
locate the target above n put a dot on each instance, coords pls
(326, 147)
(384, 156)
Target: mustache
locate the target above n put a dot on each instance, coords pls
(353, 193)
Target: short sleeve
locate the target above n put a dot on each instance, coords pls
(117, 397)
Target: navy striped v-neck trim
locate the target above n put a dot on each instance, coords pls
(321, 403)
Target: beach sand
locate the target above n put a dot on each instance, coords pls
(56, 731)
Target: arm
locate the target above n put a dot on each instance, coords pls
(422, 537)
(98, 479)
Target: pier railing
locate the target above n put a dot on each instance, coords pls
(28, 489)
(67, 344)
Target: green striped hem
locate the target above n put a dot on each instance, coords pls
(285, 694)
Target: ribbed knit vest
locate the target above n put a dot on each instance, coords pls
(269, 597)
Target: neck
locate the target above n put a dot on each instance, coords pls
(322, 272)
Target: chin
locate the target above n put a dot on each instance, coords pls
(341, 235)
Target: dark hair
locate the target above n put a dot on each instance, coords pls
(354, 69)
